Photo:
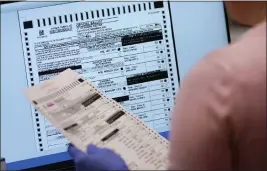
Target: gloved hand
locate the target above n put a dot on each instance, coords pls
(96, 159)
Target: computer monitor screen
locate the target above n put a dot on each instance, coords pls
(135, 52)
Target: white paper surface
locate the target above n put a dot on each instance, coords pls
(92, 38)
(85, 116)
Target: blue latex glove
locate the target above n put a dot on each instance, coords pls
(96, 159)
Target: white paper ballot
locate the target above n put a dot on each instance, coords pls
(86, 116)
(131, 61)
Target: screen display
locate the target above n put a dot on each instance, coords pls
(134, 52)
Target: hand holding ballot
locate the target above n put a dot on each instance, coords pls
(96, 159)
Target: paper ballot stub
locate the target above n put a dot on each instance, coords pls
(86, 116)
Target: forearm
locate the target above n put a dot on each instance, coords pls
(200, 131)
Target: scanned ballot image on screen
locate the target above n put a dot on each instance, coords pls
(125, 49)
(85, 116)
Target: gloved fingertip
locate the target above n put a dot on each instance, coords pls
(70, 145)
(91, 149)
(73, 151)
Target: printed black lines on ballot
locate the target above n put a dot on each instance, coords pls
(71, 126)
(91, 99)
(110, 135)
(115, 117)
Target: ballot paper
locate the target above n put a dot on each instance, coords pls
(84, 115)
(126, 49)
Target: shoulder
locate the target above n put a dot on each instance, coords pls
(233, 81)
(241, 64)
(228, 79)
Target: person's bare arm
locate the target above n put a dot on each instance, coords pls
(200, 126)
(219, 122)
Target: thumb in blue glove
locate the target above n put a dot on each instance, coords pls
(96, 159)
